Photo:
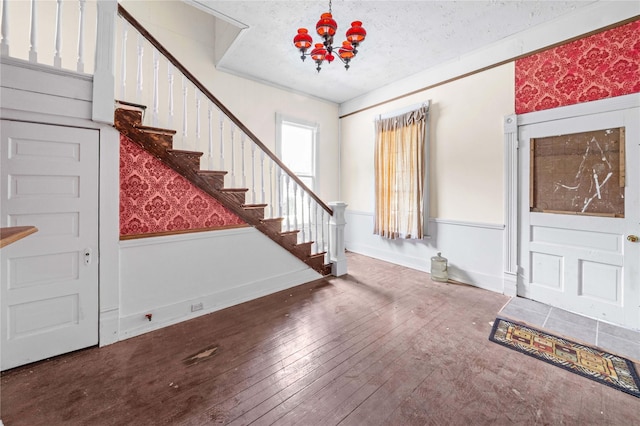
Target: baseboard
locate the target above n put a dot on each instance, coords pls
(136, 324)
(109, 326)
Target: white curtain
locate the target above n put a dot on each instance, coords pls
(400, 174)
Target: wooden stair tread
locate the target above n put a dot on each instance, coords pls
(321, 254)
(275, 219)
(254, 206)
(183, 151)
(158, 130)
(131, 105)
(234, 189)
(212, 172)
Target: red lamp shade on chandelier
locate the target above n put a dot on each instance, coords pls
(326, 28)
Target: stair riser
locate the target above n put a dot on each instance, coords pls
(317, 263)
(166, 141)
(290, 240)
(257, 214)
(234, 197)
(303, 250)
(192, 160)
(214, 182)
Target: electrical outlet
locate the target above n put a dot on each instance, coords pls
(196, 307)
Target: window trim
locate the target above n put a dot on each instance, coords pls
(314, 126)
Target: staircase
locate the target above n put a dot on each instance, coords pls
(159, 143)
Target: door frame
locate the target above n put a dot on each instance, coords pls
(511, 268)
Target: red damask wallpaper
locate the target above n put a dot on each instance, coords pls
(601, 66)
(156, 199)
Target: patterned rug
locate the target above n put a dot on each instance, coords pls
(603, 367)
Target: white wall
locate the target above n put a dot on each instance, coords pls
(465, 178)
(165, 276)
(466, 134)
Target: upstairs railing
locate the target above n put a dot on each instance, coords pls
(146, 73)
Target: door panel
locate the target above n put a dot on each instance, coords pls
(581, 263)
(49, 280)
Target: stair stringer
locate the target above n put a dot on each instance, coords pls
(158, 142)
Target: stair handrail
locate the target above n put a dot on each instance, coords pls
(176, 63)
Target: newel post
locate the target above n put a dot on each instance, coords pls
(336, 239)
(104, 70)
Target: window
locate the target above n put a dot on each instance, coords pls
(400, 174)
(296, 147)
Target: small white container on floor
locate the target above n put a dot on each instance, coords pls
(439, 268)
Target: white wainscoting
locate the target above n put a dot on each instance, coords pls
(474, 250)
(165, 276)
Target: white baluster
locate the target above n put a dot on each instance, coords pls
(80, 67)
(304, 235)
(221, 122)
(279, 180)
(123, 60)
(184, 111)
(309, 222)
(57, 60)
(272, 205)
(170, 80)
(139, 78)
(210, 124)
(325, 234)
(262, 195)
(33, 50)
(4, 31)
(253, 173)
(242, 156)
(156, 82)
(286, 204)
(315, 218)
(197, 96)
(295, 207)
(233, 158)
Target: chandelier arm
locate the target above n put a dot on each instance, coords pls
(326, 28)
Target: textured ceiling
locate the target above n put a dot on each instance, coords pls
(403, 38)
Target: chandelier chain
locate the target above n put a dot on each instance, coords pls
(330, 6)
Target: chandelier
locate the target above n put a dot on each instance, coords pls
(326, 28)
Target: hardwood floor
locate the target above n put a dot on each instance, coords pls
(382, 345)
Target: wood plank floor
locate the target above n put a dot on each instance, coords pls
(383, 345)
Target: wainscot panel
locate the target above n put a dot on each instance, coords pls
(179, 277)
(473, 250)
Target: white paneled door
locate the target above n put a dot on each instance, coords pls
(49, 279)
(586, 264)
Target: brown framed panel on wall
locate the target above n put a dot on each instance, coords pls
(579, 173)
